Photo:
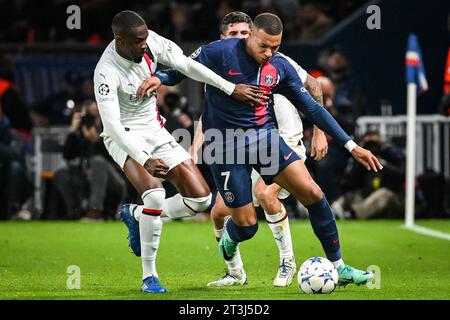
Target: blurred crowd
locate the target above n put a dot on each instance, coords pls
(28, 21)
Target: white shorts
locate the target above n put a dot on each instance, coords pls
(300, 150)
(167, 150)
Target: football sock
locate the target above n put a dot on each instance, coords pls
(150, 227)
(279, 225)
(218, 233)
(177, 207)
(235, 263)
(324, 226)
(239, 233)
(180, 207)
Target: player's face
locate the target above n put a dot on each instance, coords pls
(239, 30)
(262, 46)
(134, 43)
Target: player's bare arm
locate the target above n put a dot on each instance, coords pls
(319, 143)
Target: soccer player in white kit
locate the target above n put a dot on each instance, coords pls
(134, 132)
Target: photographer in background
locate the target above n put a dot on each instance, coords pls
(370, 194)
(90, 174)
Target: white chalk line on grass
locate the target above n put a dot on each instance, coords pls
(428, 232)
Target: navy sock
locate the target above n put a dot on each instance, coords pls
(238, 233)
(324, 226)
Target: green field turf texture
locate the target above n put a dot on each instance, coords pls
(34, 257)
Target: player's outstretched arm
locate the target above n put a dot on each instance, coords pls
(172, 56)
(170, 77)
(319, 143)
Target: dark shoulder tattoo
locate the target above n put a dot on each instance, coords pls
(314, 88)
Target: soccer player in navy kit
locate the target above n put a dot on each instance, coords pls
(255, 61)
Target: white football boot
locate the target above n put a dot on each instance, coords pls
(285, 274)
(231, 278)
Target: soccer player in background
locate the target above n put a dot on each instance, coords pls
(256, 60)
(134, 132)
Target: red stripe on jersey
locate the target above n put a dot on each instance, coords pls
(266, 81)
(151, 212)
(149, 62)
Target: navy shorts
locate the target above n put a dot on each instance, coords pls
(263, 149)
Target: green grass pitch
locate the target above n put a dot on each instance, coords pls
(34, 257)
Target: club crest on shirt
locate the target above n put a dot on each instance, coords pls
(268, 79)
(103, 89)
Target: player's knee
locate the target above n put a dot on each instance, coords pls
(198, 205)
(266, 198)
(154, 198)
(239, 233)
(315, 194)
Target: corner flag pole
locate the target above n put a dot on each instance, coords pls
(416, 84)
(410, 154)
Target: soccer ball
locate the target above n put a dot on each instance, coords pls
(317, 275)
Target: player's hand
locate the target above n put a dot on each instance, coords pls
(249, 94)
(367, 159)
(319, 145)
(156, 167)
(148, 86)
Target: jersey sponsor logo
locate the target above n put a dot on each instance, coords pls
(133, 98)
(303, 89)
(233, 73)
(229, 196)
(268, 79)
(196, 53)
(286, 157)
(103, 89)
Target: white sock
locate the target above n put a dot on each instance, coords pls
(279, 224)
(176, 207)
(235, 263)
(150, 227)
(136, 211)
(338, 263)
(218, 233)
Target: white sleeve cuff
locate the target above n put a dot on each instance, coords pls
(350, 145)
(228, 87)
(142, 159)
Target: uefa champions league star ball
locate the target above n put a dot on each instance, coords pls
(317, 275)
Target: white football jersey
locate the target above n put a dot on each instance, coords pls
(290, 124)
(117, 79)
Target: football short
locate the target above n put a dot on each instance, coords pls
(267, 153)
(164, 148)
(300, 150)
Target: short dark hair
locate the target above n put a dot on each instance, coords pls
(234, 17)
(269, 23)
(126, 20)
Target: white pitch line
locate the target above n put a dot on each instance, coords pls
(428, 232)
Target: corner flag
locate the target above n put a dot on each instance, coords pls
(415, 72)
(416, 84)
